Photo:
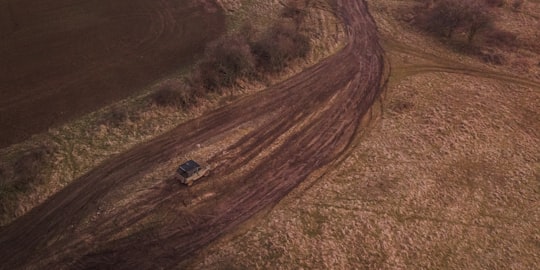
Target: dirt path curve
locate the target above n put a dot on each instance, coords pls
(307, 122)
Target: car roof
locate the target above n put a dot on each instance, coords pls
(189, 165)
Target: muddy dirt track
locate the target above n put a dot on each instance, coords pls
(305, 122)
(61, 59)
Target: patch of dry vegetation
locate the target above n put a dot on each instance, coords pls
(85, 143)
(485, 29)
(447, 178)
(22, 172)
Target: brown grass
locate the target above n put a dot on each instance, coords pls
(448, 178)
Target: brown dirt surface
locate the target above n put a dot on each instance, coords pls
(62, 59)
(303, 124)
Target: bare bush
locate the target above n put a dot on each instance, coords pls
(225, 60)
(239, 56)
(446, 17)
(174, 94)
(280, 45)
(476, 18)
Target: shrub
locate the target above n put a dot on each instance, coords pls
(280, 45)
(174, 94)
(442, 19)
(447, 16)
(476, 18)
(28, 168)
(225, 60)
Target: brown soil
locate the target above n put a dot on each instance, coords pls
(305, 123)
(61, 59)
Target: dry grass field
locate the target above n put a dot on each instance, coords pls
(446, 176)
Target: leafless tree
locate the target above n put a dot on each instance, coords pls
(447, 16)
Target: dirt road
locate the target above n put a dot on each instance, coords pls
(64, 58)
(305, 123)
